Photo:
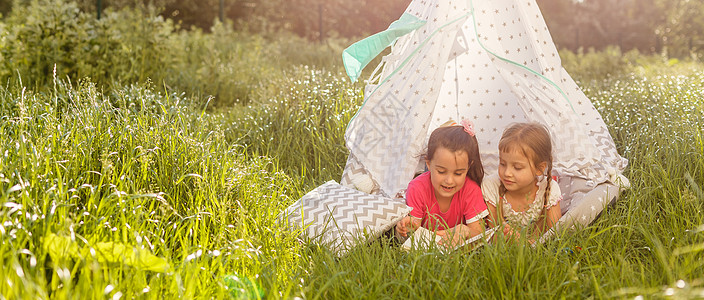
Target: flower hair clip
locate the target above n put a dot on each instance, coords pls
(468, 126)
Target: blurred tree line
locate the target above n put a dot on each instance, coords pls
(672, 27)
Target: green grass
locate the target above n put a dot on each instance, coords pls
(144, 166)
(141, 169)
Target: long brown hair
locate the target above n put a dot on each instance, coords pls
(455, 138)
(533, 140)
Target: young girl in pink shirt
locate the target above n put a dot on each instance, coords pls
(447, 198)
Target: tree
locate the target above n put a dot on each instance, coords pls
(674, 26)
(340, 17)
(559, 17)
(629, 24)
(682, 30)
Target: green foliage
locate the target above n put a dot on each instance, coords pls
(682, 29)
(237, 67)
(50, 36)
(308, 113)
(133, 45)
(41, 35)
(597, 65)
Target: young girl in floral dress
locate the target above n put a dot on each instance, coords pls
(523, 197)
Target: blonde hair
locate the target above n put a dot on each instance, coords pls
(533, 141)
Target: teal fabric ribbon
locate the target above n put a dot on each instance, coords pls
(359, 54)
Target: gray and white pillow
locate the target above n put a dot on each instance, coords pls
(340, 217)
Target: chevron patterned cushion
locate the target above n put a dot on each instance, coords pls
(340, 217)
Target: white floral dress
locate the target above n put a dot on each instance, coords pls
(490, 191)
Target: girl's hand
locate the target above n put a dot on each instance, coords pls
(403, 225)
(454, 236)
(407, 224)
(509, 232)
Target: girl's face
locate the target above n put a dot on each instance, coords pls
(517, 172)
(448, 171)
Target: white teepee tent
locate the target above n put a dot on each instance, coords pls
(494, 63)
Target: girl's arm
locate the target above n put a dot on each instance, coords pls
(493, 215)
(456, 235)
(490, 196)
(552, 215)
(415, 195)
(472, 229)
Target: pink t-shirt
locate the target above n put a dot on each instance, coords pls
(467, 204)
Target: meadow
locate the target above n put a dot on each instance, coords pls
(163, 176)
